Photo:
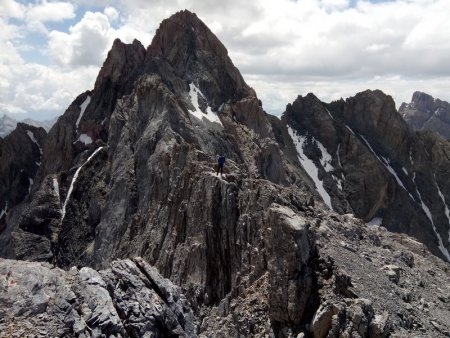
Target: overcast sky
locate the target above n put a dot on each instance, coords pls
(51, 51)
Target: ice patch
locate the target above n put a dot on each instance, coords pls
(33, 139)
(75, 176)
(375, 221)
(309, 166)
(210, 115)
(83, 107)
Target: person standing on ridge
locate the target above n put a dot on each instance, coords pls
(221, 162)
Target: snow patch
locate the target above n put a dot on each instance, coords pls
(222, 178)
(309, 166)
(350, 129)
(4, 210)
(387, 164)
(33, 139)
(75, 176)
(337, 155)
(197, 112)
(329, 113)
(405, 171)
(447, 212)
(83, 107)
(56, 187)
(84, 138)
(326, 157)
(427, 212)
(31, 184)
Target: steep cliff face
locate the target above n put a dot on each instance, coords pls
(20, 158)
(426, 113)
(365, 160)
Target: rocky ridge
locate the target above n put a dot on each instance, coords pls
(426, 113)
(365, 160)
(355, 281)
(127, 171)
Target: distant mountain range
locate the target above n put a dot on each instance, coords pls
(8, 124)
(424, 112)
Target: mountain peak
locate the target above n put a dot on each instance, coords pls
(122, 60)
(186, 46)
(427, 113)
(185, 26)
(421, 100)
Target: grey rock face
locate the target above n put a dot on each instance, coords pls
(331, 291)
(370, 163)
(130, 299)
(375, 306)
(426, 113)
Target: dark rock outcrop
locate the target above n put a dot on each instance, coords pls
(426, 113)
(365, 160)
(20, 158)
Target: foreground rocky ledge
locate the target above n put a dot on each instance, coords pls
(352, 281)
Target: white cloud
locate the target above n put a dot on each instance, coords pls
(50, 11)
(335, 4)
(85, 44)
(111, 13)
(334, 48)
(11, 9)
(41, 91)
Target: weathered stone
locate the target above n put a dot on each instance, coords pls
(129, 297)
(321, 323)
(393, 272)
